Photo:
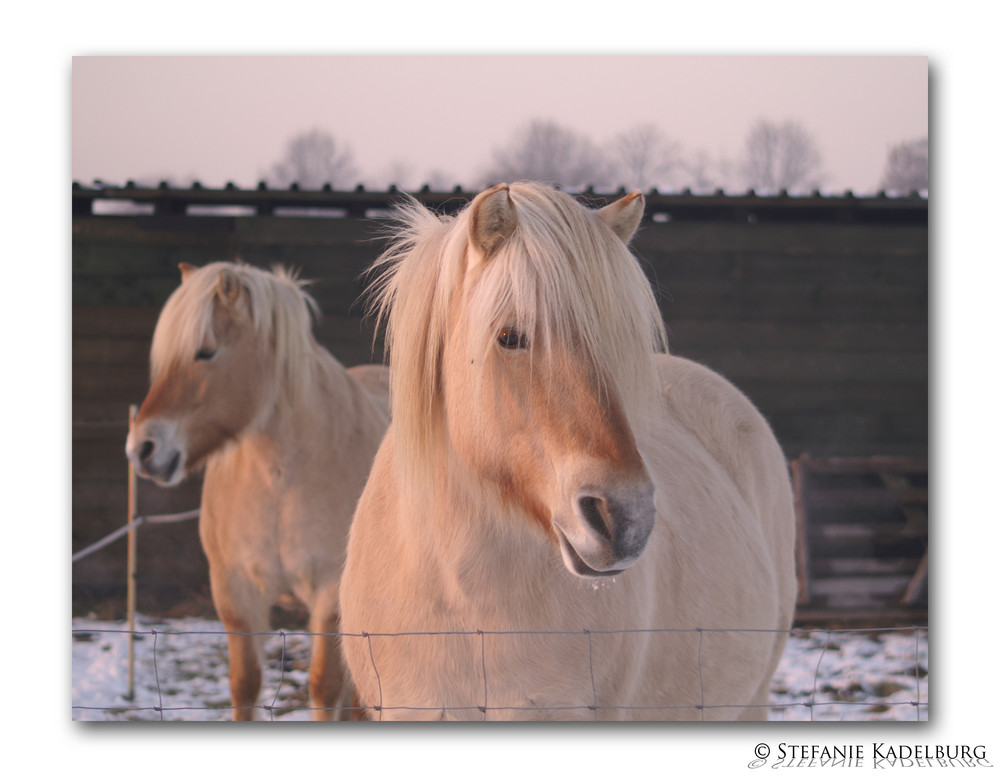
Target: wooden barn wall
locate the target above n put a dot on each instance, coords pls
(823, 324)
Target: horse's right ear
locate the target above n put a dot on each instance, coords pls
(228, 287)
(624, 215)
(186, 270)
(492, 219)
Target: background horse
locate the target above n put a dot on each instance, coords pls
(286, 434)
(594, 528)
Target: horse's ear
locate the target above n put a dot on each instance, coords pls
(624, 215)
(186, 270)
(228, 287)
(492, 219)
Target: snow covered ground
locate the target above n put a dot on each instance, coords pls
(180, 673)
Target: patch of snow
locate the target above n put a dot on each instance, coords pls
(181, 673)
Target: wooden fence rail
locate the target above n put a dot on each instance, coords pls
(862, 537)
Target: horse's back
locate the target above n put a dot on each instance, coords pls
(374, 377)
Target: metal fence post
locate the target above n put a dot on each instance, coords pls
(130, 566)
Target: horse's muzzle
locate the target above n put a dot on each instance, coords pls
(606, 532)
(155, 455)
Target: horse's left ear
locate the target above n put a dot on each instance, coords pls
(228, 287)
(624, 215)
(186, 269)
(492, 219)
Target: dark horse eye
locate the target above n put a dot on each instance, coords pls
(510, 338)
(204, 355)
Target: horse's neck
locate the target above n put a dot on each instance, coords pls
(316, 416)
(482, 545)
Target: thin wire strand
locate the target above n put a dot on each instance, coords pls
(136, 522)
(812, 700)
(590, 653)
(156, 674)
(378, 677)
(281, 679)
(482, 645)
(701, 677)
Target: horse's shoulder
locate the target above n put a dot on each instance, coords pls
(375, 538)
(381, 492)
(374, 379)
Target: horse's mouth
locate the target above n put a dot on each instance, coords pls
(165, 476)
(578, 565)
(172, 467)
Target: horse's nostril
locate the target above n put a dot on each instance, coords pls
(148, 446)
(594, 511)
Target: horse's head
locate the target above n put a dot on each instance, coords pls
(212, 368)
(543, 333)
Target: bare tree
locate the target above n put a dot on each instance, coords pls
(907, 167)
(312, 159)
(642, 158)
(704, 173)
(701, 172)
(781, 156)
(545, 151)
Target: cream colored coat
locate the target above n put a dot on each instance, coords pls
(544, 542)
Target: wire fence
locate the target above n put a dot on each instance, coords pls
(183, 671)
(831, 674)
(876, 688)
(178, 666)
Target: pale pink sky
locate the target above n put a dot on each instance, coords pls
(226, 118)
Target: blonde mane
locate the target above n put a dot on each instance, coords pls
(562, 276)
(281, 314)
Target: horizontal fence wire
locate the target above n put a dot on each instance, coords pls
(274, 706)
(138, 521)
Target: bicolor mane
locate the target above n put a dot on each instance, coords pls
(562, 275)
(280, 311)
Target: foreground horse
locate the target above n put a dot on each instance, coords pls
(558, 523)
(287, 436)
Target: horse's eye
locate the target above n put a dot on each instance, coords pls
(510, 338)
(204, 355)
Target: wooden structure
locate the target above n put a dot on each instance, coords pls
(817, 307)
(862, 538)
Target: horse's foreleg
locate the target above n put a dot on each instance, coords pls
(244, 674)
(326, 671)
(245, 650)
(348, 704)
(245, 615)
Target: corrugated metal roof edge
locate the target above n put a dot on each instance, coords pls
(361, 202)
